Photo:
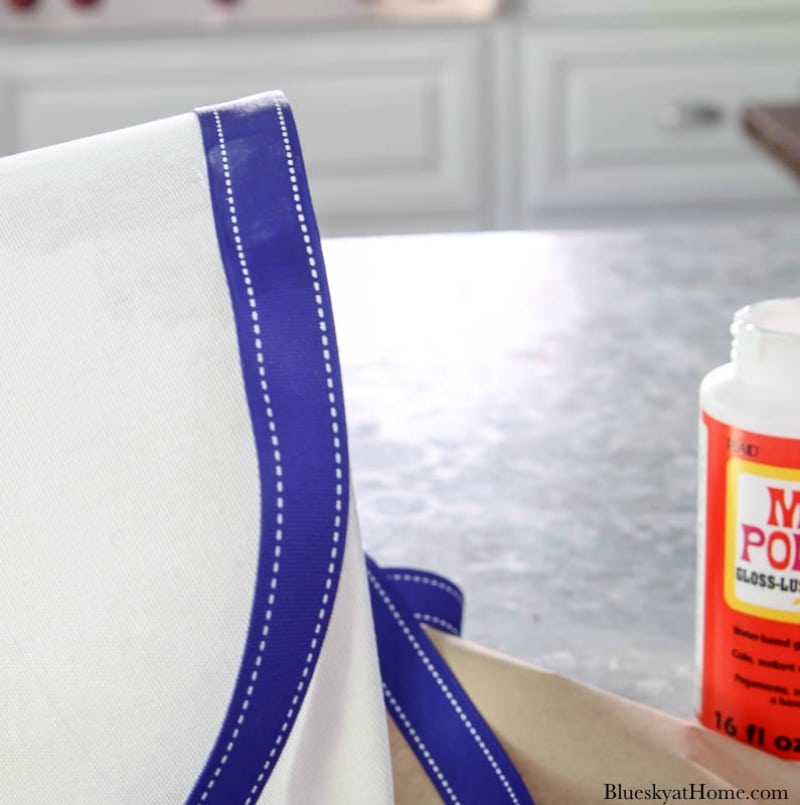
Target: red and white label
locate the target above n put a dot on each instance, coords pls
(749, 627)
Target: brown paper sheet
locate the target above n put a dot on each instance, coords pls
(569, 740)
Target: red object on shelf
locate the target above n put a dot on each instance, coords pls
(21, 4)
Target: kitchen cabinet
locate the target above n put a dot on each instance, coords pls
(625, 121)
(392, 123)
(649, 9)
(574, 112)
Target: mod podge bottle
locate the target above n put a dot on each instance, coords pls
(748, 636)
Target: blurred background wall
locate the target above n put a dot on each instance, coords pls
(439, 115)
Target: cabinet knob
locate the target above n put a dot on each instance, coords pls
(85, 3)
(679, 116)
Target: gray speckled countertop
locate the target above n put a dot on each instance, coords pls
(522, 414)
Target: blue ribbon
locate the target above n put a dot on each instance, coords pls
(271, 253)
(452, 741)
(270, 249)
(432, 599)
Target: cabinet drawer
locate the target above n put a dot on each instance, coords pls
(390, 123)
(667, 114)
(631, 117)
(654, 8)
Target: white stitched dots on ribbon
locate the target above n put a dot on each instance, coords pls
(416, 578)
(440, 623)
(487, 753)
(336, 443)
(400, 713)
(255, 327)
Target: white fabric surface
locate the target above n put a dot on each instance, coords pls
(129, 496)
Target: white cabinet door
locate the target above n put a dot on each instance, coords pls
(639, 8)
(631, 118)
(391, 121)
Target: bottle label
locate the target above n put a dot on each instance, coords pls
(750, 587)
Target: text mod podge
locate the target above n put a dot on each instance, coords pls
(748, 645)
